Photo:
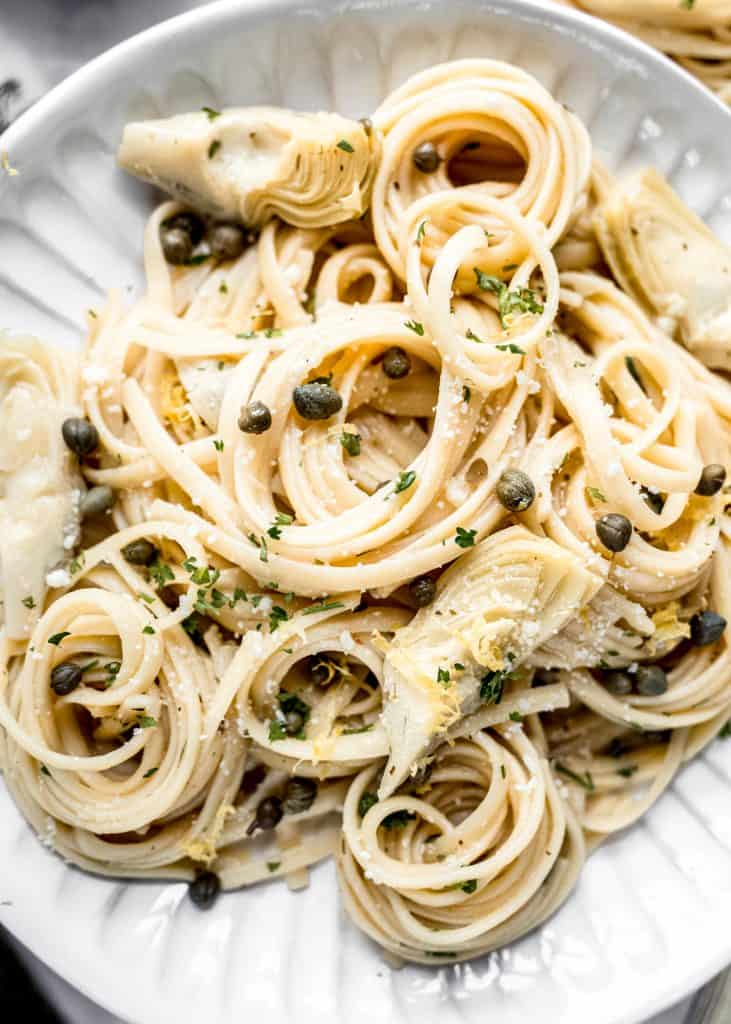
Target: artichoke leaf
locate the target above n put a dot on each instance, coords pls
(663, 255)
(495, 606)
(252, 163)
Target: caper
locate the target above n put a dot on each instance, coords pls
(316, 401)
(396, 363)
(226, 241)
(293, 723)
(706, 628)
(618, 683)
(614, 531)
(65, 678)
(425, 157)
(422, 591)
(96, 501)
(79, 435)
(711, 481)
(299, 795)
(255, 418)
(268, 815)
(189, 222)
(367, 125)
(651, 681)
(140, 552)
(321, 670)
(515, 490)
(204, 889)
(177, 245)
(653, 499)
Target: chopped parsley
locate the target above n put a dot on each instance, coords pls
(350, 442)
(146, 722)
(149, 774)
(398, 819)
(510, 302)
(465, 538)
(354, 731)
(628, 771)
(366, 802)
(404, 481)
(415, 326)
(492, 685)
(511, 347)
(212, 114)
(443, 676)
(515, 716)
(57, 638)
(473, 337)
(469, 886)
(272, 865)
(466, 394)
(345, 146)
(595, 494)
(323, 606)
(160, 573)
(421, 232)
(273, 332)
(584, 779)
(277, 615)
(218, 445)
(148, 629)
(214, 148)
(29, 602)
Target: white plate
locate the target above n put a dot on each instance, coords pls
(650, 919)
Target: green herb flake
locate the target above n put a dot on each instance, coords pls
(276, 615)
(345, 146)
(350, 442)
(276, 731)
(469, 886)
(510, 301)
(148, 775)
(148, 630)
(421, 232)
(29, 602)
(404, 481)
(628, 771)
(466, 394)
(212, 114)
(465, 538)
(272, 865)
(473, 337)
(515, 716)
(366, 802)
(585, 780)
(443, 676)
(57, 638)
(146, 722)
(214, 148)
(415, 326)
(595, 494)
(398, 819)
(510, 347)
(159, 573)
(491, 687)
(322, 606)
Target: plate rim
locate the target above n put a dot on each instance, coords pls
(221, 12)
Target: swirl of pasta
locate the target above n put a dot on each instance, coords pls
(493, 125)
(464, 861)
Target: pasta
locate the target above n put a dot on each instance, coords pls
(389, 524)
(696, 33)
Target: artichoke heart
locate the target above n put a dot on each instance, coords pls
(670, 261)
(40, 486)
(252, 163)
(494, 607)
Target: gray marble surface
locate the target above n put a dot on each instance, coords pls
(41, 42)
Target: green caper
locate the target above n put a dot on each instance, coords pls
(293, 723)
(299, 795)
(226, 241)
(79, 435)
(711, 481)
(396, 363)
(422, 591)
(204, 889)
(614, 531)
(316, 401)
(189, 222)
(255, 418)
(706, 628)
(618, 683)
(96, 501)
(651, 681)
(268, 815)
(426, 158)
(140, 552)
(515, 490)
(177, 245)
(65, 678)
